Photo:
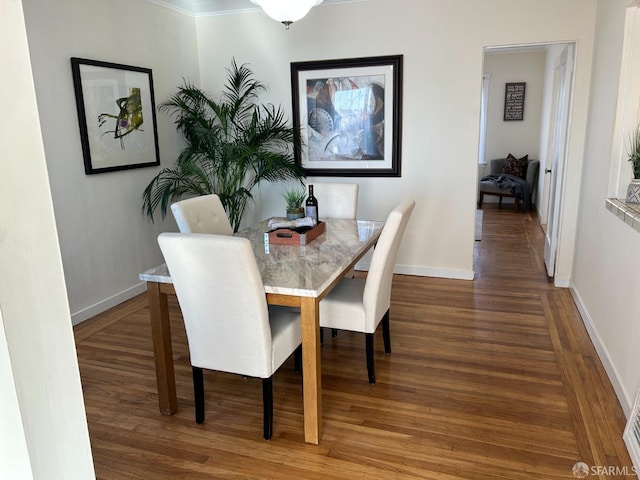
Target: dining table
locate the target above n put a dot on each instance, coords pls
(293, 275)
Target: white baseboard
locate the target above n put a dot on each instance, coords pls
(605, 358)
(424, 271)
(561, 282)
(93, 310)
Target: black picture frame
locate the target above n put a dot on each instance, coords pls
(116, 115)
(514, 101)
(349, 115)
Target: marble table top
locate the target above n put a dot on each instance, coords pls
(304, 271)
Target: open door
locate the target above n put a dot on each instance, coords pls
(563, 74)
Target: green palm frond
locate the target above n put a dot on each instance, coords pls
(232, 145)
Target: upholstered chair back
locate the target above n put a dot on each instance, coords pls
(223, 303)
(336, 200)
(377, 290)
(203, 214)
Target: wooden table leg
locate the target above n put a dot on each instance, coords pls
(311, 369)
(163, 353)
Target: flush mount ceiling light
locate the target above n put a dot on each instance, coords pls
(286, 11)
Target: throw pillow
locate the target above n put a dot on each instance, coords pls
(516, 166)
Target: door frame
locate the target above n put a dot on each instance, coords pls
(543, 182)
(557, 149)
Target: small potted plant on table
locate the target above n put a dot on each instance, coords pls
(294, 199)
(633, 191)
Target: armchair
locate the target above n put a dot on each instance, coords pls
(488, 187)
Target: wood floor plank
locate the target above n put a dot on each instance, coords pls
(494, 378)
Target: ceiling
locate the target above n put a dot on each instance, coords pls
(217, 7)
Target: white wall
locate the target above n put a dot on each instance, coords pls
(606, 277)
(105, 240)
(516, 137)
(43, 431)
(442, 81)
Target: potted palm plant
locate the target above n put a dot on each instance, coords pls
(633, 191)
(232, 145)
(293, 199)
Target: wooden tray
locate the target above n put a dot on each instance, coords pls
(290, 236)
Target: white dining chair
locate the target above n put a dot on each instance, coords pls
(203, 214)
(336, 200)
(360, 305)
(230, 327)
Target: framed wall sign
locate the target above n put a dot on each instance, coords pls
(116, 115)
(349, 115)
(514, 101)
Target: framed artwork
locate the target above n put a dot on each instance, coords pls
(349, 115)
(514, 101)
(116, 115)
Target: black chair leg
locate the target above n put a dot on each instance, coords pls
(371, 368)
(198, 393)
(267, 406)
(297, 359)
(334, 333)
(386, 335)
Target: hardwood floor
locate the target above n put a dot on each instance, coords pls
(489, 379)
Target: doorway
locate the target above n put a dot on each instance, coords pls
(547, 70)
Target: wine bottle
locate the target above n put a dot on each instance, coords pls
(311, 206)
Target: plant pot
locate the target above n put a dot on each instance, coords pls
(633, 191)
(296, 213)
